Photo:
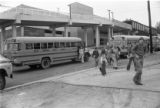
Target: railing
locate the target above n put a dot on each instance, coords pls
(121, 24)
(20, 10)
(32, 11)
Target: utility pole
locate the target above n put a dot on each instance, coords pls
(150, 26)
(112, 15)
(109, 11)
(109, 29)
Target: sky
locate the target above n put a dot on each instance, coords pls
(122, 9)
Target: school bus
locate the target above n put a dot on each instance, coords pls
(42, 51)
(123, 42)
(156, 43)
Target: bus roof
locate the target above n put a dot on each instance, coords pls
(130, 36)
(44, 39)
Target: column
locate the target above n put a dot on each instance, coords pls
(14, 31)
(65, 31)
(85, 36)
(111, 31)
(109, 34)
(1, 39)
(53, 29)
(22, 31)
(97, 36)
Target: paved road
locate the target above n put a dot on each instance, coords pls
(25, 74)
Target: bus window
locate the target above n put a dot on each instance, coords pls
(78, 44)
(36, 45)
(43, 45)
(13, 46)
(50, 45)
(56, 44)
(29, 46)
(67, 44)
(73, 44)
(62, 44)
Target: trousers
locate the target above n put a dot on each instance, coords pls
(138, 62)
(96, 61)
(130, 62)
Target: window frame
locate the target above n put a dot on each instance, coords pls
(37, 47)
(32, 46)
(43, 45)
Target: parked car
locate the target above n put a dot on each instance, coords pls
(5, 71)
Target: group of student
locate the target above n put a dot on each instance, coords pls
(110, 55)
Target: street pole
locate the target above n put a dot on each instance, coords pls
(150, 26)
(109, 11)
(112, 22)
(70, 13)
(112, 15)
(109, 29)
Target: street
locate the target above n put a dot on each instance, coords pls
(25, 74)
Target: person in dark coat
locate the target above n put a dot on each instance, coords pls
(102, 62)
(138, 52)
(95, 55)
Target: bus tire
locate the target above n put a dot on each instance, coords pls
(45, 63)
(2, 81)
(86, 58)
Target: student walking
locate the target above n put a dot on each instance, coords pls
(130, 56)
(115, 54)
(102, 62)
(95, 55)
(139, 52)
(108, 53)
(81, 54)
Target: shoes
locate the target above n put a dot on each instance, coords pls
(138, 83)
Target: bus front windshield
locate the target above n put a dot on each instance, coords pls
(12, 47)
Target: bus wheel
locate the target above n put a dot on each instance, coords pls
(2, 81)
(45, 63)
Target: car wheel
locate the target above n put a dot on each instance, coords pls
(45, 63)
(2, 82)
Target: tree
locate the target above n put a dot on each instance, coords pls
(158, 27)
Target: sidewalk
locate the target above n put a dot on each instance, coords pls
(89, 89)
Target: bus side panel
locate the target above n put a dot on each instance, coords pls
(65, 53)
(35, 57)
